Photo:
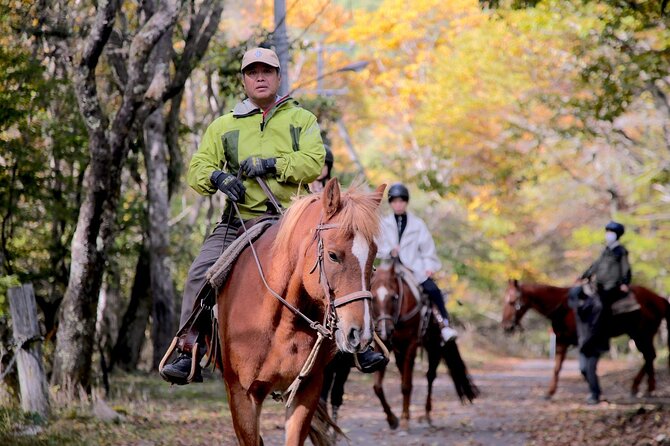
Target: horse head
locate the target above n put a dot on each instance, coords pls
(386, 296)
(515, 306)
(336, 249)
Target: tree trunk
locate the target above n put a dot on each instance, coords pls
(156, 161)
(109, 148)
(126, 353)
(76, 332)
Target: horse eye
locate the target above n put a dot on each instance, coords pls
(332, 256)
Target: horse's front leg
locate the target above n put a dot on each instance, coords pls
(299, 415)
(406, 385)
(649, 354)
(245, 413)
(561, 350)
(379, 391)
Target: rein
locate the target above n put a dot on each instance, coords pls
(320, 328)
(325, 329)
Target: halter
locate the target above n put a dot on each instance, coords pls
(327, 328)
(333, 303)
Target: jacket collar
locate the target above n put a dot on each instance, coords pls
(248, 108)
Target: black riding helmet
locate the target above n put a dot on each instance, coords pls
(398, 190)
(616, 228)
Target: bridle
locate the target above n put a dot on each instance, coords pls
(328, 326)
(519, 308)
(398, 299)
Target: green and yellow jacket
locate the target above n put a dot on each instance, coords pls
(286, 132)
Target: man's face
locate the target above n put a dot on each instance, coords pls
(399, 206)
(261, 83)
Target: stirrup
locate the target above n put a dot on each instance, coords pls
(168, 353)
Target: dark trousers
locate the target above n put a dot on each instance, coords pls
(588, 365)
(334, 378)
(215, 243)
(435, 295)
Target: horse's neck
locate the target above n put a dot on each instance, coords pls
(544, 300)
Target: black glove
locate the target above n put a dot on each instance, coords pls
(257, 167)
(229, 185)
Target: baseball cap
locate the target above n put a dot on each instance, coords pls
(262, 55)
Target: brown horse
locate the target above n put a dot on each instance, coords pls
(552, 302)
(319, 259)
(398, 322)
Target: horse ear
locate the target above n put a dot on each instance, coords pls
(516, 283)
(378, 194)
(331, 197)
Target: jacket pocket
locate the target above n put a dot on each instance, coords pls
(295, 137)
(231, 142)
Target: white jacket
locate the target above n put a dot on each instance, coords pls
(417, 248)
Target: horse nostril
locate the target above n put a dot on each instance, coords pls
(354, 337)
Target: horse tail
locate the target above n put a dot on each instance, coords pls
(319, 430)
(667, 324)
(465, 387)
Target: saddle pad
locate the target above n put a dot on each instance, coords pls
(408, 278)
(218, 273)
(625, 305)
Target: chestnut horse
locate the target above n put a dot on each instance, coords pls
(398, 321)
(319, 260)
(552, 302)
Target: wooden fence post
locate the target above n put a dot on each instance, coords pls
(27, 338)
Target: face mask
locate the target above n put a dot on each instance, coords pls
(610, 237)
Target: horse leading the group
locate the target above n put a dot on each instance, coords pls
(319, 259)
(552, 302)
(398, 321)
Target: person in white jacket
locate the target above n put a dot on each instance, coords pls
(405, 236)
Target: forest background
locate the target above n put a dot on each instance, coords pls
(521, 128)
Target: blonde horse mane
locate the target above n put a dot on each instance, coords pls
(358, 213)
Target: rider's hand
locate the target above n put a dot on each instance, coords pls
(255, 166)
(624, 287)
(229, 185)
(429, 273)
(394, 253)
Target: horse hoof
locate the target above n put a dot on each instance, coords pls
(425, 419)
(393, 422)
(404, 425)
(548, 397)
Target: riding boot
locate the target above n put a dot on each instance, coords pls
(177, 372)
(370, 361)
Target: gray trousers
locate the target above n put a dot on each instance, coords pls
(588, 366)
(215, 243)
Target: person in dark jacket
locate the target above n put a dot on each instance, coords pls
(611, 276)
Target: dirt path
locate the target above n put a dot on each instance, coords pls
(511, 402)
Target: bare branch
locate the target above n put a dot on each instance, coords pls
(140, 50)
(97, 38)
(196, 44)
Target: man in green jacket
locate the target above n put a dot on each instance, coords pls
(264, 136)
